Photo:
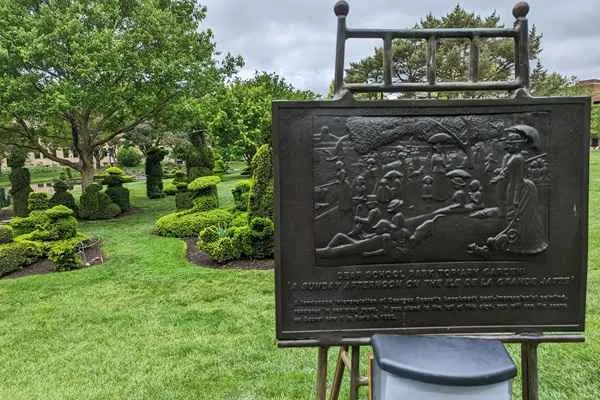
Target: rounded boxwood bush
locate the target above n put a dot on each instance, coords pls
(65, 255)
(16, 255)
(204, 193)
(6, 234)
(189, 223)
(37, 201)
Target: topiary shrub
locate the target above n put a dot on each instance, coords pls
(170, 189)
(128, 157)
(220, 167)
(16, 255)
(183, 198)
(180, 177)
(65, 254)
(240, 194)
(204, 192)
(19, 181)
(154, 173)
(24, 225)
(189, 223)
(37, 201)
(6, 234)
(239, 219)
(260, 199)
(62, 197)
(253, 240)
(93, 204)
(115, 190)
(60, 225)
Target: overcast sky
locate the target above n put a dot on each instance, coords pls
(296, 39)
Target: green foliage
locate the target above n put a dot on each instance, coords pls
(180, 177)
(37, 201)
(93, 204)
(253, 240)
(129, 157)
(205, 203)
(222, 250)
(24, 225)
(6, 234)
(240, 193)
(240, 219)
(19, 182)
(220, 167)
(189, 223)
(4, 199)
(120, 196)
(16, 255)
(260, 199)
(204, 185)
(64, 254)
(204, 193)
(239, 117)
(170, 189)
(57, 212)
(196, 153)
(114, 171)
(183, 199)
(62, 197)
(82, 73)
(595, 123)
(154, 173)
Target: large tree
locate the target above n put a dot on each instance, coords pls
(409, 57)
(239, 118)
(81, 73)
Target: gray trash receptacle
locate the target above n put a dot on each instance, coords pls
(440, 368)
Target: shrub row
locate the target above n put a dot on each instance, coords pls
(249, 240)
(189, 223)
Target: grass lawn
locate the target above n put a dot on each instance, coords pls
(149, 325)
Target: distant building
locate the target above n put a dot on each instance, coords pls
(37, 159)
(594, 85)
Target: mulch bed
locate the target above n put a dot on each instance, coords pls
(93, 255)
(198, 257)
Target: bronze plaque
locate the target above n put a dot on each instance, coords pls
(430, 217)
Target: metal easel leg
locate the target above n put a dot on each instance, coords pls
(338, 375)
(322, 373)
(354, 372)
(529, 370)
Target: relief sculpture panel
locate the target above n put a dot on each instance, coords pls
(435, 188)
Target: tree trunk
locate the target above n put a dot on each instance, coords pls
(86, 161)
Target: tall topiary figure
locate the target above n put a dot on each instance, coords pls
(62, 196)
(154, 173)
(199, 159)
(260, 200)
(115, 190)
(93, 204)
(19, 181)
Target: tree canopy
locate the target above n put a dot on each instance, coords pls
(79, 73)
(239, 118)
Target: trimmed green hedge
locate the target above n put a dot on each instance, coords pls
(170, 189)
(24, 225)
(16, 255)
(190, 222)
(37, 201)
(6, 234)
(253, 240)
(62, 196)
(204, 193)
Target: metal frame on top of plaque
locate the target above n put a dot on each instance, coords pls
(425, 216)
